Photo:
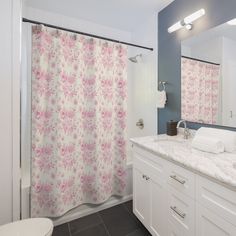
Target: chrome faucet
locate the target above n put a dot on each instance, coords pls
(186, 130)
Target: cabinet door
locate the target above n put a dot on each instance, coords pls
(158, 207)
(141, 193)
(208, 223)
(174, 229)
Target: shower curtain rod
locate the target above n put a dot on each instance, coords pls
(86, 34)
(195, 59)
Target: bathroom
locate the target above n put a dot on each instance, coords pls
(187, 183)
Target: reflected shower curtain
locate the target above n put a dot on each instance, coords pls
(200, 88)
(79, 92)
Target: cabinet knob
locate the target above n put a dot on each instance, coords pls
(146, 177)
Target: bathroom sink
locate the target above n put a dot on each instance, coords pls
(171, 144)
(169, 141)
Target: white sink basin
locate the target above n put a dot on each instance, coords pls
(169, 141)
(173, 145)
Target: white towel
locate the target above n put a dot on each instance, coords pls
(227, 137)
(208, 144)
(161, 99)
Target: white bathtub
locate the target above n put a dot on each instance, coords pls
(80, 211)
(25, 195)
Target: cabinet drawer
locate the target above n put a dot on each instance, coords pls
(210, 224)
(181, 211)
(149, 168)
(182, 180)
(176, 230)
(217, 198)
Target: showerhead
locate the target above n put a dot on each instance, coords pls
(134, 59)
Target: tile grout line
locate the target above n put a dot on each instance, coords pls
(126, 208)
(87, 227)
(133, 216)
(108, 233)
(68, 225)
(132, 232)
(130, 213)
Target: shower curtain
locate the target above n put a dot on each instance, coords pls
(200, 91)
(79, 93)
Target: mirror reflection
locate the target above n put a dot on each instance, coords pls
(208, 76)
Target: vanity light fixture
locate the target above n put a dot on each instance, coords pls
(187, 21)
(232, 22)
(175, 27)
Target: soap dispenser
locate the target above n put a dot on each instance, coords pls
(171, 129)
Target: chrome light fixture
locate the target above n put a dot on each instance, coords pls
(187, 22)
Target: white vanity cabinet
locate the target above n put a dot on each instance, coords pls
(208, 223)
(173, 201)
(150, 199)
(216, 209)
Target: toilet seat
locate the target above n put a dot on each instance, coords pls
(28, 227)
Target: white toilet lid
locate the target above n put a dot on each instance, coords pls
(28, 227)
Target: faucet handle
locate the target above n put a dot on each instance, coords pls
(140, 124)
(187, 133)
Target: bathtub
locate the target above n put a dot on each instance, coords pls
(83, 210)
(25, 195)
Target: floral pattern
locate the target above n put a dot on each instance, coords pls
(79, 96)
(200, 88)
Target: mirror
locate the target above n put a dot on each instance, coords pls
(208, 76)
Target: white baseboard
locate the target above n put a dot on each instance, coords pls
(78, 213)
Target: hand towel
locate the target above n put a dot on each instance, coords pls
(227, 137)
(208, 144)
(161, 99)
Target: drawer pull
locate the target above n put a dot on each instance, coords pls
(175, 209)
(181, 181)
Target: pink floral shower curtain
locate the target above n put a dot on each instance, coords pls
(79, 92)
(200, 88)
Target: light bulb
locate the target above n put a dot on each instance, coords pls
(232, 22)
(189, 19)
(175, 27)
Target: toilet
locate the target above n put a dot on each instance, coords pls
(28, 227)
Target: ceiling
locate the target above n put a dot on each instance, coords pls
(119, 14)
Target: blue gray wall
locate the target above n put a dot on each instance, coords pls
(169, 46)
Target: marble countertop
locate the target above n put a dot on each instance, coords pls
(221, 167)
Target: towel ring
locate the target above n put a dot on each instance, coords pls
(163, 83)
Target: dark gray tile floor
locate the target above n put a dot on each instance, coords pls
(116, 221)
